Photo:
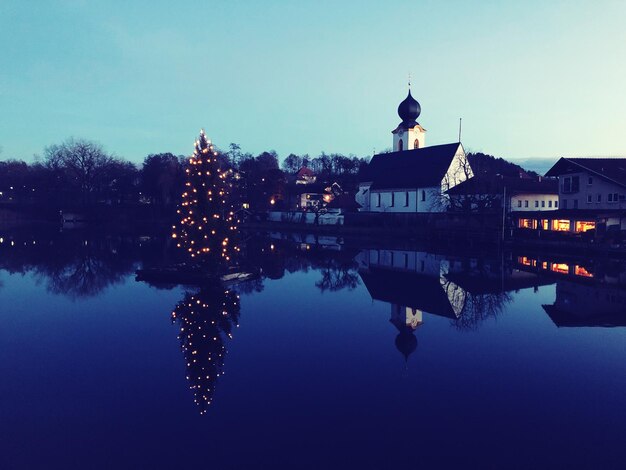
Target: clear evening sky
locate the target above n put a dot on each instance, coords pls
(530, 79)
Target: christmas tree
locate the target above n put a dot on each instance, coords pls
(207, 226)
(206, 319)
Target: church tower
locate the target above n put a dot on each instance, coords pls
(409, 134)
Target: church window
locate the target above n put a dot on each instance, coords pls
(400, 144)
(377, 199)
(416, 144)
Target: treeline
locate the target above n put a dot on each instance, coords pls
(484, 164)
(80, 172)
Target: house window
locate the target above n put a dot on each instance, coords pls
(589, 198)
(556, 204)
(599, 198)
(525, 203)
(561, 225)
(575, 203)
(590, 181)
(564, 203)
(393, 199)
(545, 224)
(536, 203)
(583, 226)
(416, 144)
(400, 143)
(571, 184)
(423, 195)
(549, 203)
(406, 260)
(528, 223)
(613, 197)
(406, 199)
(519, 203)
(377, 199)
(543, 203)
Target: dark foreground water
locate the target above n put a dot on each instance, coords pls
(335, 356)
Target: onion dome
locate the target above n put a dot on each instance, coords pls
(409, 110)
(406, 343)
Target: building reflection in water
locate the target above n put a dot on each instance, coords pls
(588, 292)
(417, 284)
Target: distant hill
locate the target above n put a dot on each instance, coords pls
(483, 164)
(540, 165)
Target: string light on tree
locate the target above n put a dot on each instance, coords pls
(207, 226)
(206, 319)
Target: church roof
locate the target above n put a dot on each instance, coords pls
(611, 169)
(409, 289)
(418, 168)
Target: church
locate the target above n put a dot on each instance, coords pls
(413, 177)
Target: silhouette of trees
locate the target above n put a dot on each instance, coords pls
(162, 178)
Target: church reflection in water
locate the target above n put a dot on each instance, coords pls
(419, 286)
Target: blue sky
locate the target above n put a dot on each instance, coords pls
(530, 79)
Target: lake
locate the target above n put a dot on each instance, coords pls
(333, 354)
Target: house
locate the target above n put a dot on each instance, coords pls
(592, 198)
(485, 193)
(413, 178)
(591, 183)
(305, 176)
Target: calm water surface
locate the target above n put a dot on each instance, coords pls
(334, 356)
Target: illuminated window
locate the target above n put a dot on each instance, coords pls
(527, 223)
(583, 226)
(581, 271)
(561, 268)
(526, 261)
(561, 225)
(545, 224)
(544, 265)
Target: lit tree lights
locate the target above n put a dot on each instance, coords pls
(206, 319)
(207, 224)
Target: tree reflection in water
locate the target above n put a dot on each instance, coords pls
(75, 264)
(206, 319)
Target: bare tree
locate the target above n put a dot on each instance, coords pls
(82, 162)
